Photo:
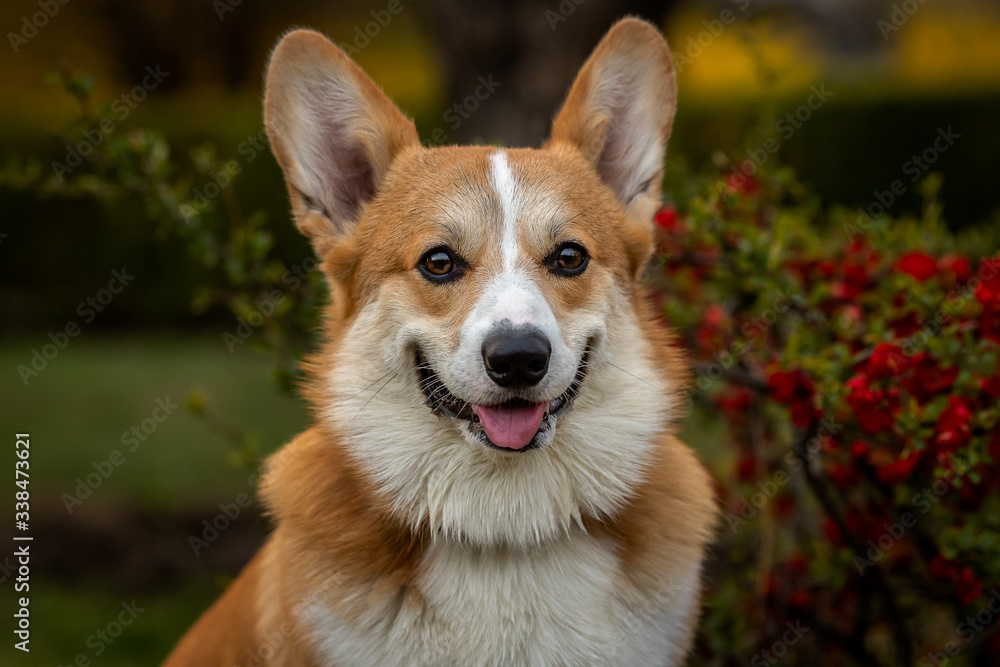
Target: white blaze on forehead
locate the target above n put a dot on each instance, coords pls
(510, 296)
(510, 202)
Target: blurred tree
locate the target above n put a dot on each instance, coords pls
(206, 42)
(532, 48)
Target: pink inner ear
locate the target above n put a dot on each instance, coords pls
(333, 130)
(637, 103)
(627, 91)
(340, 174)
(355, 184)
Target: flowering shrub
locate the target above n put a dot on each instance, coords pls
(855, 361)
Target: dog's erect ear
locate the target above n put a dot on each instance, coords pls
(620, 110)
(333, 131)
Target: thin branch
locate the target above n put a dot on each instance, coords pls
(900, 631)
(739, 376)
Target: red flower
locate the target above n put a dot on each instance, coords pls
(746, 469)
(875, 409)
(784, 385)
(770, 586)
(928, 378)
(942, 568)
(708, 336)
(989, 324)
(804, 413)
(741, 183)
(967, 587)
(987, 295)
(796, 390)
(783, 506)
(956, 265)
(991, 387)
(918, 265)
(797, 565)
(906, 326)
(714, 315)
(988, 291)
(855, 282)
(858, 245)
(971, 493)
(668, 219)
(799, 599)
(898, 471)
(733, 400)
(887, 361)
(841, 474)
(953, 426)
(860, 450)
(850, 314)
(856, 278)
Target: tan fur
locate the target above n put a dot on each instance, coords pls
(343, 551)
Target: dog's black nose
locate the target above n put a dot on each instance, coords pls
(516, 356)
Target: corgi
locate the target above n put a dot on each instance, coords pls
(493, 476)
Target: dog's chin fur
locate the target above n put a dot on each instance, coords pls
(436, 476)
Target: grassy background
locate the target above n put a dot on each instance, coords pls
(76, 411)
(78, 408)
(65, 620)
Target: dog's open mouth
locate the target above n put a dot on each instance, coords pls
(513, 425)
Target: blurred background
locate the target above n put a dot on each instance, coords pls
(852, 90)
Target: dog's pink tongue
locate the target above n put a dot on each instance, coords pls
(510, 427)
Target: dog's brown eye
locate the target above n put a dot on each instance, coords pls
(440, 265)
(569, 259)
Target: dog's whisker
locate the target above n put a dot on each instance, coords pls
(369, 386)
(394, 376)
(438, 395)
(614, 365)
(426, 384)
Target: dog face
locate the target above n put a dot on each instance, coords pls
(490, 364)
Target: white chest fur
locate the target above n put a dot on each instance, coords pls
(562, 604)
